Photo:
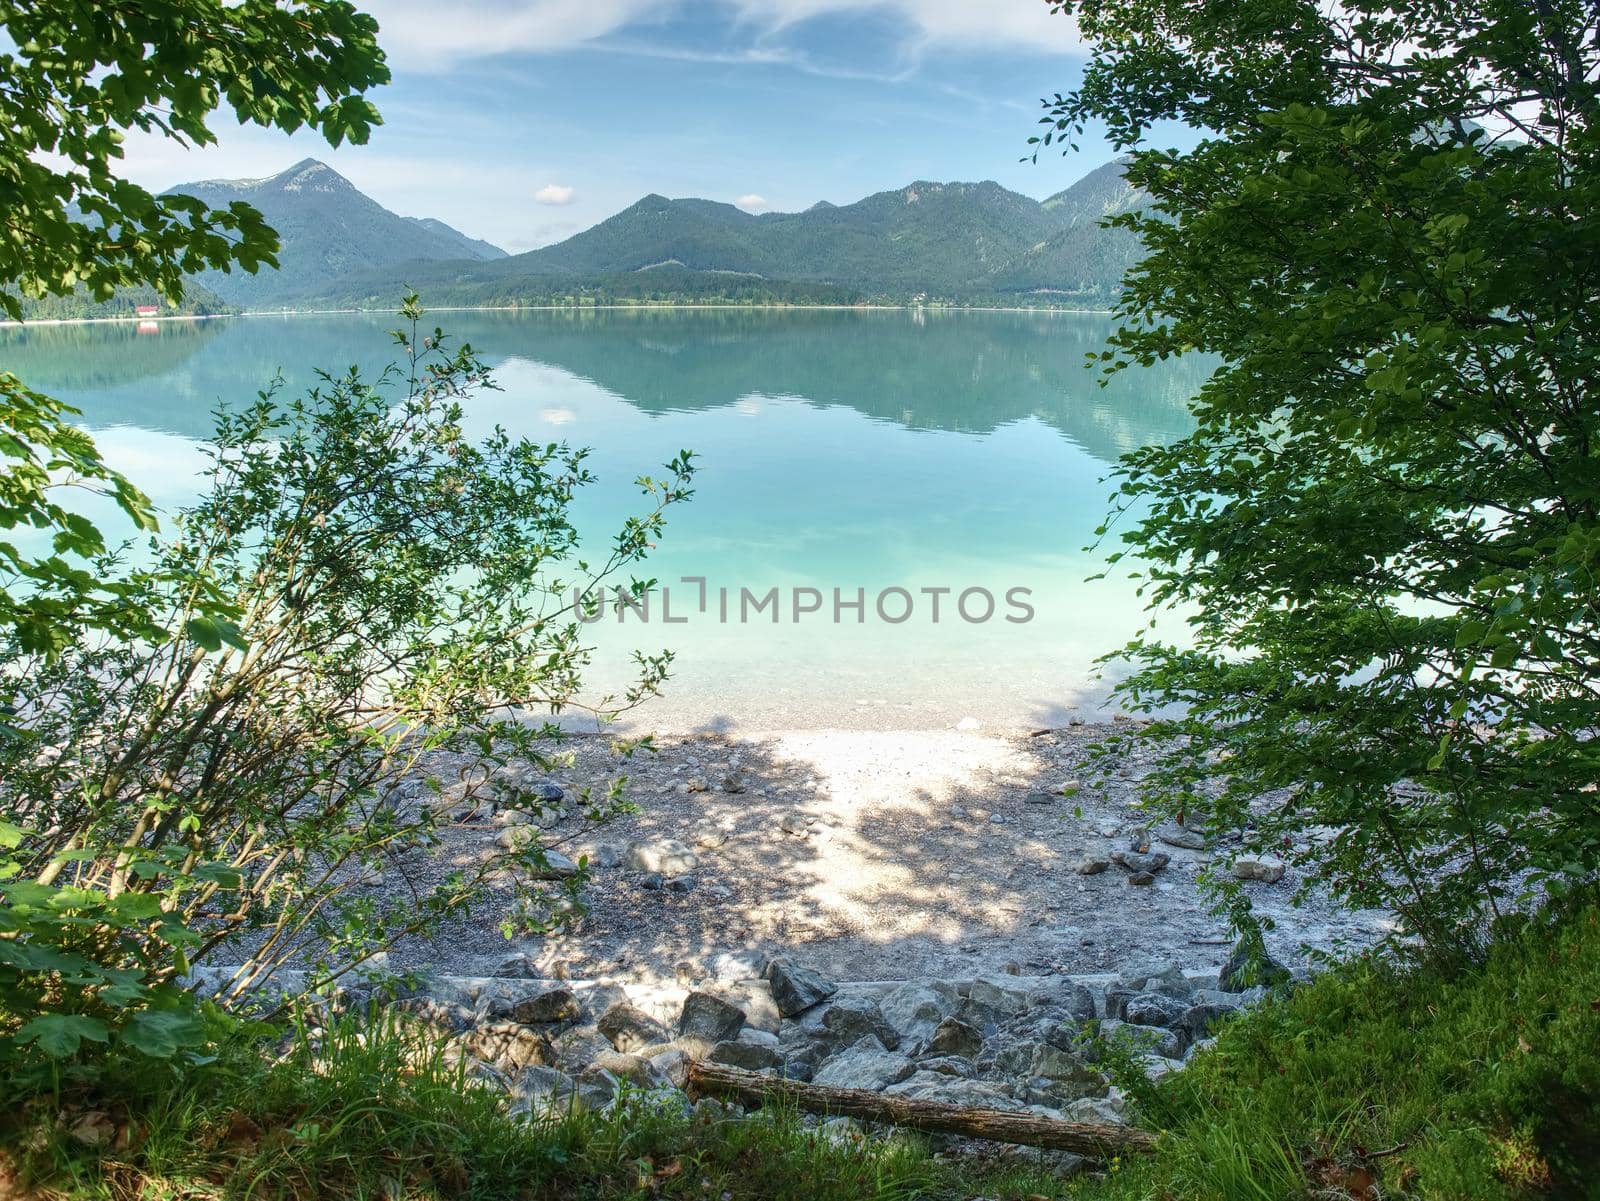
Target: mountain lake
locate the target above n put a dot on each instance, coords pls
(878, 456)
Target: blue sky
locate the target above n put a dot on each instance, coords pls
(524, 121)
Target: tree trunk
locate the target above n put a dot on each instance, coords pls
(1094, 1140)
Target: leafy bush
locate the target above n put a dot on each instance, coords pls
(1385, 526)
(362, 586)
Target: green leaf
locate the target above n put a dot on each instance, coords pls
(162, 1033)
(205, 632)
(59, 1035)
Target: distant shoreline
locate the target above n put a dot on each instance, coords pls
(550, 308)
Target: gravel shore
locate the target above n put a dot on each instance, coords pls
(871, 855)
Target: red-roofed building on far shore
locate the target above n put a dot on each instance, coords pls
(146, 310)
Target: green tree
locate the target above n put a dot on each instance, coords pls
(74, 76)
(1383, 528)
(366, 603)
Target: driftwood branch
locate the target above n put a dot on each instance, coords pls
(1094, 1140)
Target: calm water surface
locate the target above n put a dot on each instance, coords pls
(838, 450)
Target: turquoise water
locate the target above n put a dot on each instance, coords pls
(871, 451)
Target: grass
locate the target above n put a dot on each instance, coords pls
(1368, 1084)
(1374, 1083)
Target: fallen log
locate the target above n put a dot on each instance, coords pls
(1092, 1139)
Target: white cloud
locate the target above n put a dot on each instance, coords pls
(416, 39)
(554, 193)
(751, 202)
(1007, 23)
(414, 35)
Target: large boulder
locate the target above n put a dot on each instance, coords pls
(954, 1037)
(1166, 978)
(1152, 1040)
(707, 1016)
(541, 1003)
(752, 1057)
(539, 1089)
(867, 1065)
(1153, 1009)
(1002, 994)
(579, 1047)
(796, 988)
(952, 1090)
(1243, 971)
(1072, 999)
(854, 1018)
(509, 1046)
(629, 1028)
(917, 1006)
(1199, 1020)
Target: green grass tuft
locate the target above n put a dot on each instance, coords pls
(1369, 1083)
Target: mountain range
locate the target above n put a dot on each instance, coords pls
(956, 242)
(327, 230)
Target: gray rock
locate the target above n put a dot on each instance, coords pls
(954, 1037)
(1240, 972)
(1069, 1073)
(1155, 1040)
(1197, 1020)
(796, 988)
(598, 1088)
(1073, 1000)
(737, 1054)
(952, 1090)
(759, 1038)
(854, 1018)
(866, 1065)
(681, 884)
(579, 1047)
(1092, 865)
(538, 1089)
(1157, 1066)
(1136, 861)
(1165, 978)
(607, 855)
(635, 1069)
(666, 856)
(711, 1018)
(1153, 1009)
(1001, 995)
(654, 881)
(629, 1028)
(1266, 868)
(672, 1065)
(1141, 879)
(556, 866)
(917, 1006)
(1098, 1110)
(447, 1016)
(508, 1046)
(948, 1065)
(1175, 835)
(554, 1003)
